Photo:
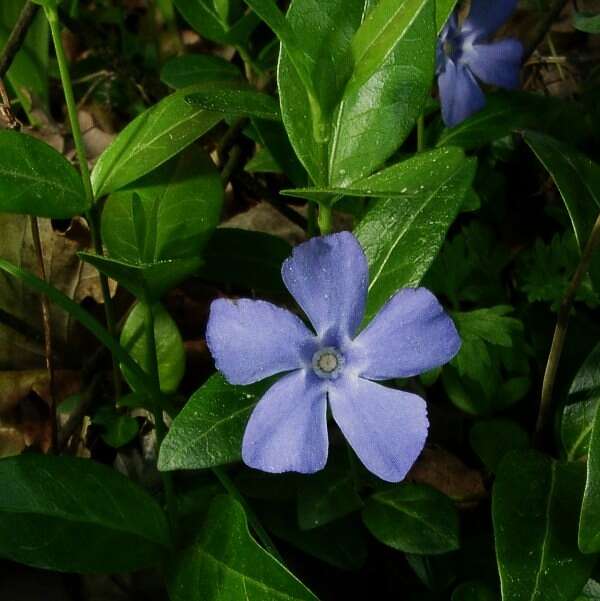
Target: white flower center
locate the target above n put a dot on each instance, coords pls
(328, 363)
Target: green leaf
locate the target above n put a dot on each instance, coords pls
(328, 495)
(181, 205)
(194, 69)
(262, 162)
(208, 431)
(474, 591)
(402, 236)
(578, 180)
(245, 258)
(443, 10)
(155, 279)
(242, 103)
(151, 139)
(413, 518)
(50, 505)
(118, 430)
(587, 22)
(169, 345)
(578, 413)
(493, 439)
(591, 592)
(203, 17)
(330, 196)
(225, 554)
(395, 75)
(37, 180)
(589, 523)
(535, 507)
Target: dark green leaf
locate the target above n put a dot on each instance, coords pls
(243, 103)
(245, 258)
(208, 431)
(493, 439)
(37, 180)
(589, 523)
(150, 140)
(578, 414)
(192, 69)
(51, 505)
(474, 591)
(180, 207)
(402, 236)
(587, 22)
(413, 518)
(118, 430)
(535, 506)
(226, 564)
(169, 345)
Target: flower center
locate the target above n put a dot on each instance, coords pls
(328, 363)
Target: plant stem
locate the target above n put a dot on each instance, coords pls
(261, 533)
(325, 219)
(560, 332)
(92, 215)
(552, 47)
(45, 304)
(311, 215)
(159, 423)
(421, 133)
(17, 36)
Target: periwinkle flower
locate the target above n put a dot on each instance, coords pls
(252, 340)
(464, 55)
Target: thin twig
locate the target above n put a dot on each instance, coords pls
(17, 36)
(544, 24)
(560, 332)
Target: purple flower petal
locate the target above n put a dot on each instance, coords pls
(460, 94)
(410, 335)
(487, 16)
(498, 63)
(387, 428)
(251, 340)
(288, 429)
(328, 277)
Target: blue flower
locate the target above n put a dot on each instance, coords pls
(463, 55)
(252, 340)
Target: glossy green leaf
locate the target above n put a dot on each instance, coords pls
(578, 180)
(589, 523)
(49, 505)
(208, 431)
(535, 507)
(151, 139)
(245, 258)
(588, 22)
(243, 103)
(493, 439)
(170, 352)
(37, 180)
(329, 494)
(155, 279)
(226, 564)
(413, 518)
(330, 196)
(180, 206)
(582, 402)
(205, 19)
(443, 9)
(474, 591)
(193, 69)
(402, 236)
(363, 139)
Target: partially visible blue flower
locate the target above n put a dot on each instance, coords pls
(252, 340)
(465, 55)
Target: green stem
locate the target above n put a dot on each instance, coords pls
(560, 332)
(159, 423)
(325, 219)
(421, 133)
(552, 47)
(261, 533)
(92, 217)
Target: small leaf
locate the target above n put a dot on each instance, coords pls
(194, 69)
(50, 505)
(37, 180)
(587, 22)
(493, 439)
(151, 139)
(413, 518)
(170, 352)
(118, 430)
(535, 507)
(242, 103)
(208, 431)
(226, 554)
